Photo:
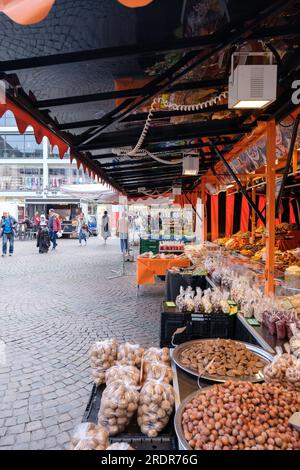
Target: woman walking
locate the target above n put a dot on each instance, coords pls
(105, 227)
(43, 238)
(82, 229)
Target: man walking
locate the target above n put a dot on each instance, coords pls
(54, 227)
(8, 225)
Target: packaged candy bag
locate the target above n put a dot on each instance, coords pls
(89, 436)
(119, 402)
(198, 300)
(180, 299)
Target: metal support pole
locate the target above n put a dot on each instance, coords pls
(288, 163)
(253, 224)
(295, 161)
(241, 187)
(270, 207)
(203, 200)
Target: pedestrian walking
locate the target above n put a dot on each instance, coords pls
(105, 227)
(123, 226)
(54, 227)
(43, 238)
(8, 226)
(82, 228)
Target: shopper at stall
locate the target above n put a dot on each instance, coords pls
(54, 227)
(105, 227)
(123, 232)
(82, 228)
(7, 231)
(43, 238)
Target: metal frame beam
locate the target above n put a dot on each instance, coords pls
(288, 163)
(138, 49)
(241, 187)
(228, 36)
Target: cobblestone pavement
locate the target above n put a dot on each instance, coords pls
(53, 307)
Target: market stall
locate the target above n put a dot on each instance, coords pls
(149, 267)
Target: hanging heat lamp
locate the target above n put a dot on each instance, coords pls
(26, 12)
(135, 3)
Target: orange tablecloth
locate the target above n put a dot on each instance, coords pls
(147, 268)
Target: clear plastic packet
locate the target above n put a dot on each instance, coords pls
(119, 402)
(120, 372)
(157, 354)
(120, 446)
(130, 354)
(155, 407)
(89, 436)
(198, 300)
(103, 355)
(157, 371)
(207, 306)
(180, 299)
(281, 329)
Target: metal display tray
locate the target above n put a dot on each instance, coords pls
(132, 435)
(259, 377)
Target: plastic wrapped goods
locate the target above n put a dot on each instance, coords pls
(119, 402)
(157, 354)
(130, 354)
(155, 408)
(119, 372)
(89, 436)
(103, 355)
(120, 446)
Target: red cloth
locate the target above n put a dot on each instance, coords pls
(245, 213)
(229, 214)
(292, 214)
(214, 217)
(261, 205)
(290, 243)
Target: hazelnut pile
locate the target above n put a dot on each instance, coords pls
(119, 372)
(242, 416)
(102, 356)
(130, 354)
(158, 355)
(89, 436)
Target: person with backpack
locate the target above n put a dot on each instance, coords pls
(8, 226)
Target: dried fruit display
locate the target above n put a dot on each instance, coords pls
(221, 357)
(242, 416)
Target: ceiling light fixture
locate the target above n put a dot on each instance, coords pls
(252, 86)
(190, 165)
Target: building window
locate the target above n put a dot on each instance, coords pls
(14, 178)
(20, 146)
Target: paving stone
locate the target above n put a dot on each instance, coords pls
(34, 425)
(49, 326)
(7, 441)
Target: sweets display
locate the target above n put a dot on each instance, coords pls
(155, 407)
(102, 356)
(208, 301)
(242, 416)
(221, 357)
(280, 323)
(89, 436)
(284, 369)
(119, 402)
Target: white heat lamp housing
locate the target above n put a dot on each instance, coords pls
(252, 86)
(190, 165)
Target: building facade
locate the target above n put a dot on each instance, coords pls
(32, 174)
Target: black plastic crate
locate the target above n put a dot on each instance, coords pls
(132, 435)
(197, 326)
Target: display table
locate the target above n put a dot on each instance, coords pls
(290, 243)
(148, 268)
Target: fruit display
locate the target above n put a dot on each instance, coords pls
(102, 356)
(119, 403)
(221, 358)
(89, 436)
(242, 416)
(156, 405)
